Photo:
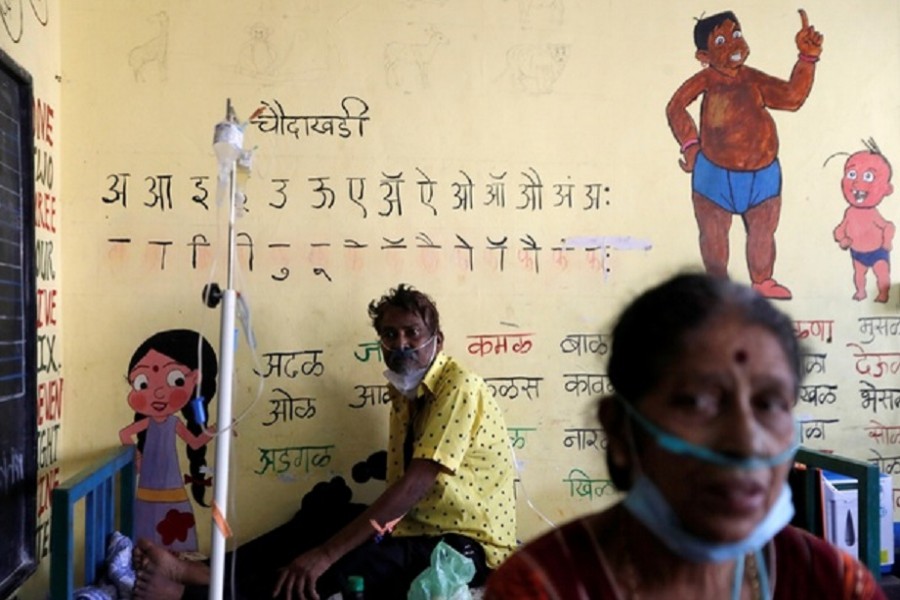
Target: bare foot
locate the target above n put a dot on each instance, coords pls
(859, 295)
(161, 575)
(147, 586)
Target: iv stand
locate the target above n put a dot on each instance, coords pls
(226, 371)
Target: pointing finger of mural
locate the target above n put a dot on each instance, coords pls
(809, 32)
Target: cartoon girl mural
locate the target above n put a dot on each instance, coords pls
(167, 372)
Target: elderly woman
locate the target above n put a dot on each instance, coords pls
(701, 435)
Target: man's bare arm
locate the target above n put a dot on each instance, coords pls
(395, 502)
(791, 94)
(298, 579)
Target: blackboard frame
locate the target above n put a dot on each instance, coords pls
(12, 575)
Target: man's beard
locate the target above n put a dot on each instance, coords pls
(406, 360)
(402, 362)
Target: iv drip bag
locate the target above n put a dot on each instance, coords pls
(228, 142)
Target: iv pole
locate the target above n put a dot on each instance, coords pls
(228, 143)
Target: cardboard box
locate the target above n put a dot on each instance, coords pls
(842, 514)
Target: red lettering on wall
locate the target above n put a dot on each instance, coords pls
(50, 400)
(47, 482)
(45, 211)
(43, 121)
(46, 307)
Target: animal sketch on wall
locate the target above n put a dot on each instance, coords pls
(151, 56)
(407, 65)
(12, 13)
(41, 10)
(12, 20)
(257, 55)
(170, 373)
(863, 231)
(535, 14)
(535, 68)
(271, 54)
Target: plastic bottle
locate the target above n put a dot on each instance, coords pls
(355, 588)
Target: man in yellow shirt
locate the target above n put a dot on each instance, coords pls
(449, 474)
(451, 428)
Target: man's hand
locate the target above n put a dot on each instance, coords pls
(809, 41)
(298, 579)
(690, 158)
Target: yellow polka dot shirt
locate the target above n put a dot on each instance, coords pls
(457, 424)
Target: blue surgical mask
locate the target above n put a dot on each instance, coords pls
(648, 505)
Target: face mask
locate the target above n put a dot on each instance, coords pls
(408, 383)
(647, 504)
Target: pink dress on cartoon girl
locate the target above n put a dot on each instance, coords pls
(163, 512)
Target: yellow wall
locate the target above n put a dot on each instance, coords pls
(31, 37)
(572, 93)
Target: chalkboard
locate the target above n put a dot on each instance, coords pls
(18, 426)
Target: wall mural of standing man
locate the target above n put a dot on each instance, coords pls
(733, 156)
(171, 371)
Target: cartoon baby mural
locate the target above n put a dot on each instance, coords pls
(733, 155)
(171, 371)
(868, 235)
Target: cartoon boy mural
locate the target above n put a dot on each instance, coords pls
(868, 235)
(170, 372)
(733, 156)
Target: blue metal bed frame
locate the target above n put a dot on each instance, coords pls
(100, 485)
